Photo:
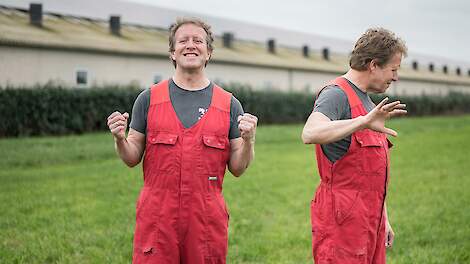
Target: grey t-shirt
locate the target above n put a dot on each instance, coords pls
(333, 102)
(189, 106)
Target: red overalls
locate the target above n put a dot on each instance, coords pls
(347, 213)
(181, 214)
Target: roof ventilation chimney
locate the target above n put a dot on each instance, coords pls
(431, 67)
(326, 53)
(305, 51)
(115, 25)
(228, 40)
(271, 46)
(35, 14)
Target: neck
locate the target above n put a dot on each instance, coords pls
(191, 80)
(359, 78)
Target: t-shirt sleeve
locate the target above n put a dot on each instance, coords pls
(236, 109)
(139, 112)
(332, 102)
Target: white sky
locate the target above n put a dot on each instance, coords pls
(432, 27)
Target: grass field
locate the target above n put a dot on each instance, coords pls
(71, 200)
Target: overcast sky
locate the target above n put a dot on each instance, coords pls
(432, 27)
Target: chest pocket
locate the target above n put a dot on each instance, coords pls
(215, 152)
(161, 150)
(372, 157)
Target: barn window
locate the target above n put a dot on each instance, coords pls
(82, 77)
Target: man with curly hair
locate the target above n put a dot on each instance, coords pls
(188, 130)
(348, 213)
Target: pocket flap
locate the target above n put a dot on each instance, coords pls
(163, 138)
(368, 139)
(214, 141)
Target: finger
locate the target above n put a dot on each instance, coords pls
(382, 103)
(390, 132)
(113, 114)
(121, 124)
(126, 115)
(398, 112)
(112, 122)
(390, 106)
(251, 117)
(400, 106)
(116, 130)
(119, 118)
(391, 238)
(250, 122)
(246, 120)
(245, 127)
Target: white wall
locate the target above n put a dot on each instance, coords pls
(27, 66)
(257, 77)
(411, 87)
(22, 66)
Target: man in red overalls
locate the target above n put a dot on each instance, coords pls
(188, 130)
(348, 214)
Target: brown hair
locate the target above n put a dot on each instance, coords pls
(189, 20)
(376, 44)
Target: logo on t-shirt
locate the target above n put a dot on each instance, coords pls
(202, 111)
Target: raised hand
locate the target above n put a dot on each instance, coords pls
(375, 119)
(117, 124)
(247, 124)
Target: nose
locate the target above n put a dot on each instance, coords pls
(190, 44)
(395, 76)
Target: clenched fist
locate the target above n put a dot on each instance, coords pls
(247, 124)
(117, 124)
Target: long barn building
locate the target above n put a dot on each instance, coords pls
(38, 47)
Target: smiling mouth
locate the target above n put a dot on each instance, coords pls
(190, 55)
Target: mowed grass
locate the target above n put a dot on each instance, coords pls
(71, 200)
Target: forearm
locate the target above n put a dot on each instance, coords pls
(241, 158)
(385, 212)
(331, 131)
(129, 153)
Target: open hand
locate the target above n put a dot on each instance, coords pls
(375, 119)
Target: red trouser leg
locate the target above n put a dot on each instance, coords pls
(156, 238)
(345, 235)
(379, 252)
(205, 240)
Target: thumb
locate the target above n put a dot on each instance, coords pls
(390, 132)
(126, 115)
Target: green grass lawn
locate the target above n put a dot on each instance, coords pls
(71, 200)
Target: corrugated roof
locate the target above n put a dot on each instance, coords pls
(79, 33)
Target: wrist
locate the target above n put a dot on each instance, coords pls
(362, 120)
(119, 139)
(250, 141)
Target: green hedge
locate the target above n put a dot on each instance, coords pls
(58, 110)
